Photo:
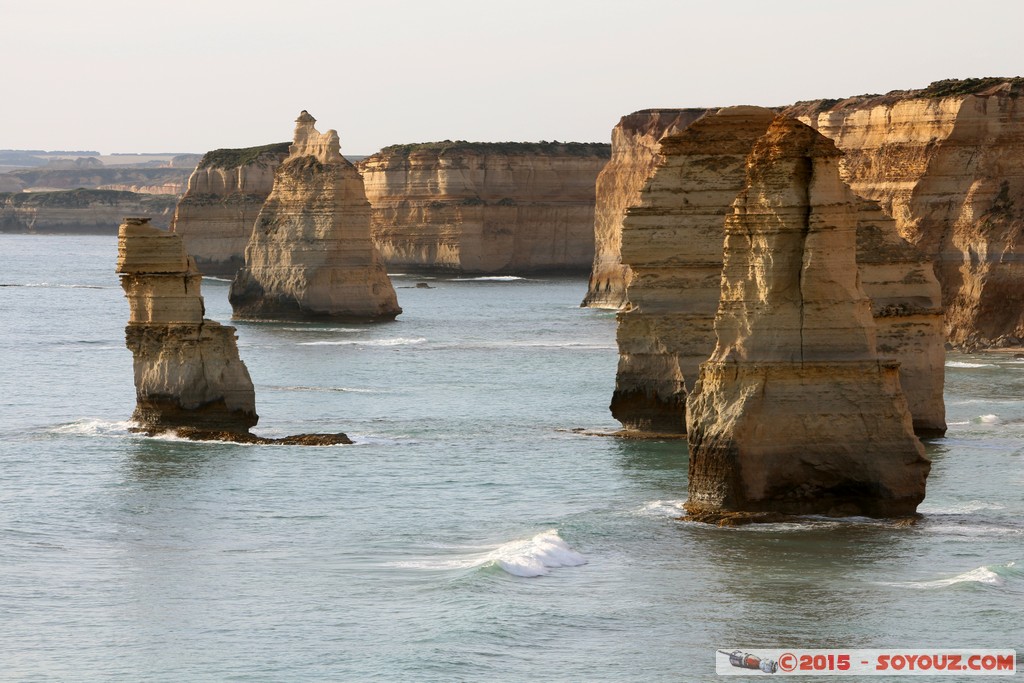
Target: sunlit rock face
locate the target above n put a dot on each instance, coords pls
(947, 163)
(673, 243)
(224, 196)
(486, 208)
(634, 155)
(187, 370)
(310, 255)
(795, 412)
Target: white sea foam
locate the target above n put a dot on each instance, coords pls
(322, 329)
(489, 278)
(348, 390)
(217, 279)
(58, 286)
(397, 341)
(965, 507)
(528, 558)
(988, 419)
(981, 575)
(964, 364)
(662, 508)
(95, 428)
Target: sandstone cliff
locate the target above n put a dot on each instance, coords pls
(484, 207)
(673, 241)
(794, 412)
(634, 154)
(224, 196)
(947, 162)
(310, 254)
(187, 370)
(78, 211)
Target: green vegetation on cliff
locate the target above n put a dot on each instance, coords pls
(970, 86)
(82, 198)
(235, 158)
(554, 148)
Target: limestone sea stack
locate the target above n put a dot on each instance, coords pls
(634, 155)
(485, 207)
(224, 196)
(794, 412)
(310, 255)
(673, 241)
(187, 370)
(947, 163)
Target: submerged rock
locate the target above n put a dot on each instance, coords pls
(310, 255)
(795, 412)
(187, 369)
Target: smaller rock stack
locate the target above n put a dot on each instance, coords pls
(310, 255)
(187, 370)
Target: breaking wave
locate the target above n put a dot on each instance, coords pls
(95, 428)
(489, 278)
(963, 364)
(398, 341)
(528, 558)
(986, 576)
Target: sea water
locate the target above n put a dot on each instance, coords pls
(469, 534)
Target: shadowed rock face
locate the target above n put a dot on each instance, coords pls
(635, 154)
(224, 196)
(794, 411)
(187, 369)
(485, 207)
(310, 255)
(673, 242)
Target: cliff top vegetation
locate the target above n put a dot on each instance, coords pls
(951, 87)
(80, 198)
(579, 149)
(234, 158)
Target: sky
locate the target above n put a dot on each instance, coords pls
(194, 75)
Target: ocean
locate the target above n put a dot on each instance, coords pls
(469, 534)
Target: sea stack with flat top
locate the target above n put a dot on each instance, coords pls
(795, 412)
(310, 255)
(187, 370)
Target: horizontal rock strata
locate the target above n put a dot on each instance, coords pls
(224, 196)
(673, 242)
(634, 155)
(78, 211)
(310, 255)
(794, 412)
(187, 370)
(947, 163)
(484, 207)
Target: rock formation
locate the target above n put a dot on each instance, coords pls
(634, 155)
(485, 207)
(310, 254)
(78, 211)
(187, 370)
(224, 196)
(947, 162)
(188, 377)
(794, 412)
(673, 240)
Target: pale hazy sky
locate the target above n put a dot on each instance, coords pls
(193, 75)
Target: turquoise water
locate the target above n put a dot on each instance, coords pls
(468, 534)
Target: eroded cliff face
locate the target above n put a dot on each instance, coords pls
(795, 412)
(484, 207)
(947, 162)
(187, 371)
(224, 196)
(78, 211)
(634, 155)
(310, 255)
(673, 242)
